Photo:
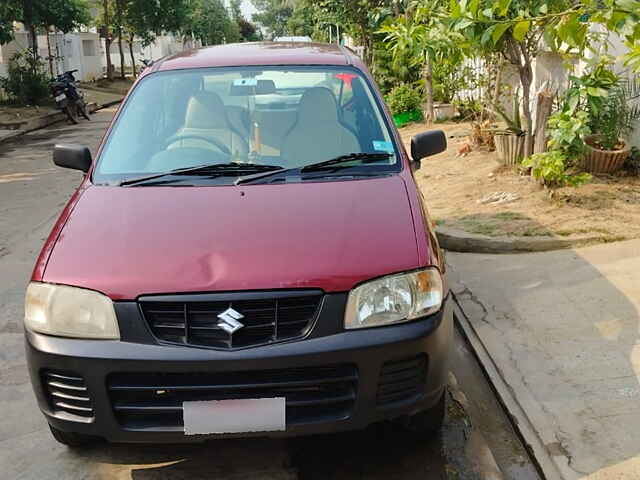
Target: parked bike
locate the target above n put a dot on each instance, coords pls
(69, 98)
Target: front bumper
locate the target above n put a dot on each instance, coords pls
(366, 350)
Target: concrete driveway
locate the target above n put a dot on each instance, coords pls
(562, 329)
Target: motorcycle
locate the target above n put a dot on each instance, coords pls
(69, 98)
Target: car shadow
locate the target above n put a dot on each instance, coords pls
(381, 451)
(562, 328)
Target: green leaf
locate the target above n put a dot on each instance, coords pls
(544, 8)
(462, 24)
(500, 28)
(503, 7)
(597, 92)
(521, 29)
(486, 36)
(454, 8)
(488, 12)
(473, 7)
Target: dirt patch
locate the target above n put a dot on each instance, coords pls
(456, 187)
(116, 85)
(12, 114)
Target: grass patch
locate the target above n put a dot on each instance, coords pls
(510, 216)
(581, 231)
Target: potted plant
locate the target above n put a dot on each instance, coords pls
(607, 149)
(510, 142)
(404, 102)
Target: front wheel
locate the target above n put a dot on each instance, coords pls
(72, 439)
(82, 109)
(428, 422)
(70, 114)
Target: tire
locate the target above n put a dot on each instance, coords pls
(82, 108)
(428, 422)
(69, 111)
(72, 439)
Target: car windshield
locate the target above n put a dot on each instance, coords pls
(287, 117)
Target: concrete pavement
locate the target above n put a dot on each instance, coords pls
(562, 330)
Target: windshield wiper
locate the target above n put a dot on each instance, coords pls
(332, 164)
(216, 169)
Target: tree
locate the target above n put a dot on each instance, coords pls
(64, 15)
(248, 31)
(273, 15)
(209, 22)
(519, 29)
(146, 20)
(423, 39)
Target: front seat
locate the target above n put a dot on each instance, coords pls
(317, 134)
(206, 117)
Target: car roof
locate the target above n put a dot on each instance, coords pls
(258, 54)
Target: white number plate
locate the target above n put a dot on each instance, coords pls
(234, 416)
(60, 97)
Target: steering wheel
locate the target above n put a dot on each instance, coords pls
(211, 141)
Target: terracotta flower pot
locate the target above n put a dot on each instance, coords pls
(603, 161)
(509, 147)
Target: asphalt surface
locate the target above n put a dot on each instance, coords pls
(32, 193)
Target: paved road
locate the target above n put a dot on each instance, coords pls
(32, 193)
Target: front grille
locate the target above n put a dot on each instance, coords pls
(266, 318)
(402, 380)
(144, 401)
(68, 393)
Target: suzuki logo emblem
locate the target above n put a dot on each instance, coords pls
(229, 321)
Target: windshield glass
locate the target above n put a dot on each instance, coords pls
(287, 117)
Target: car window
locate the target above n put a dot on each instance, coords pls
(289, 117)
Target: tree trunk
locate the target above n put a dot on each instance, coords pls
(107, 39)
(427, 75)
(498, 85)
(33, 43)
(50, 57)
(122, 75)
(133, 59)
(543, 112)
(119, 29)
(526, 78)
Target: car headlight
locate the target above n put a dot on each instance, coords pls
(69, 312)
(394, 299)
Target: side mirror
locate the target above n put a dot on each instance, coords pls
(77, 157)
(428, 143)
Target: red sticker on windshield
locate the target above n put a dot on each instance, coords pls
(346, 77)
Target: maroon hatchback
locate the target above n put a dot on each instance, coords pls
(247, 255)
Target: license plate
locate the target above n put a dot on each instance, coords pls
(234, 416)
(60, 97)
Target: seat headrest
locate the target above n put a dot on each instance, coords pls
(206, 110)
(319, 105)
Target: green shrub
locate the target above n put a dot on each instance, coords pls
(552, 170)
(404, 98)
(26, 83)
(617, 115)
(566, 132)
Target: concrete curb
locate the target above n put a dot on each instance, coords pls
(460, 241)
(103, 90)
(52, 118)
(520, 421)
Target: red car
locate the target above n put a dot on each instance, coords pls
(247, 255)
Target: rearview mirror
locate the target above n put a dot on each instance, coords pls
(428, 143)
(77, 157)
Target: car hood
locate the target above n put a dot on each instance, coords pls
(127, 242)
